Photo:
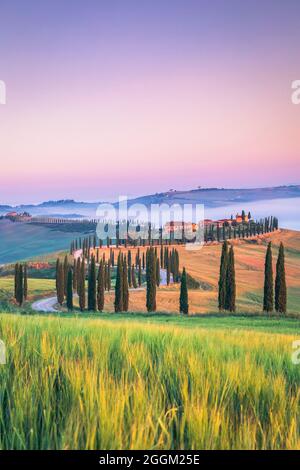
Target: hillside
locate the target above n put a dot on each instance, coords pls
(23, 241)
(203, 265)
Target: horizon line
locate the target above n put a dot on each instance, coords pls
(170, 191)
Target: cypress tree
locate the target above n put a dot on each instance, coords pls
(119, 286)
(129, 274)
(140, 273)
(224, 232)
(92, 286)
(25, 285)
(183, 300)
(57, 273)
(19, 286)
(137, 257)
(172, 263)
(129, 258)
(167, 258)
(268, 304)
(70, 290)
(100, 289)
(66, 270)
(125, 286)
(230, 283)
(105, 273)
(108, 276)
(113, 259)
(157, 272)
(161, 257)
(20, 292)
(81, 286)
(222, 276)
(151, 281)
(78, 274)
(74, 275)
(133, 278)
(176, 266)
(60, 284)
(280, 283)
(16, 280)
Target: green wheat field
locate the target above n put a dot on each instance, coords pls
(111, 383)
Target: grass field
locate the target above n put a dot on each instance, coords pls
(120, 384)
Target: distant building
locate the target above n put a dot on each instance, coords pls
(225, 222)
(11, 214)
(177, 226)
(239, 218)
(208, 222)
(174, 226)
(18, 217)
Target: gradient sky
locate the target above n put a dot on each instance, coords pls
(133, 97)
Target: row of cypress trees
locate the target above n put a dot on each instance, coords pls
(72, 279)
(280, 296)
(227, 284)
(272, 297)
(212, 232)
(20, 283)
(215, 232)
(69, 279)
(169, 260)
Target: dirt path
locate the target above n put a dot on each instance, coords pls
(163, 277)
(47, 305)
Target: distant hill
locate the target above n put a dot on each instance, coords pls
(61, 202)
(217, 197)
(211, 197)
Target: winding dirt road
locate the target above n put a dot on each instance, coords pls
(45, 305)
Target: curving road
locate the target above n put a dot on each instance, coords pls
(45, 305)
(163, 277)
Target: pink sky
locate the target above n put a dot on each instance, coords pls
(95, 122)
